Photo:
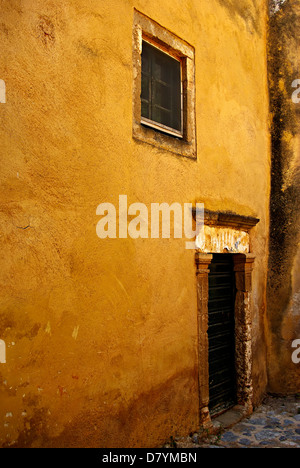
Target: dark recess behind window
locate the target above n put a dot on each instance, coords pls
(161, 87)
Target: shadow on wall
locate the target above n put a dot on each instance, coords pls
(283, 63)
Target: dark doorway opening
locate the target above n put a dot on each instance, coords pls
(221, 334)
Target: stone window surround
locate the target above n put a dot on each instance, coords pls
(243, 267)
(146, 28)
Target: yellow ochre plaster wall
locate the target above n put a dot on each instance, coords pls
(101, 335)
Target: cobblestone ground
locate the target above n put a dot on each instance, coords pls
(275, 424)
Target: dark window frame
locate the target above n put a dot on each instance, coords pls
(172, 108)
(185, 145)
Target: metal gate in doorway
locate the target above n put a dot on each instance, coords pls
(221, 333)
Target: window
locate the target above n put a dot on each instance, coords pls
(163, 88)
(161, 99)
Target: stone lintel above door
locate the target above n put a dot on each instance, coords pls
(225, 232)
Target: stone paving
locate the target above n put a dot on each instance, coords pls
(275, 424)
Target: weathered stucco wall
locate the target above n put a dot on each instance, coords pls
(101, 335)
(284, 272)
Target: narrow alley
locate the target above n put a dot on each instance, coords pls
(275, 424)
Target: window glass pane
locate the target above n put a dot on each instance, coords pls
(161, 95)
(161, 87)
(161, 116)
(145, 109)
(145, 59)
(162, 68)
(145, 87)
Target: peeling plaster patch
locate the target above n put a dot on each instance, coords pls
(48, 329)
(61, 390)
(2, 92)
(2, 352)
(75, 332)
(220, 240)
(46, 30)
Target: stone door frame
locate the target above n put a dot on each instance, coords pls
(243, 267)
